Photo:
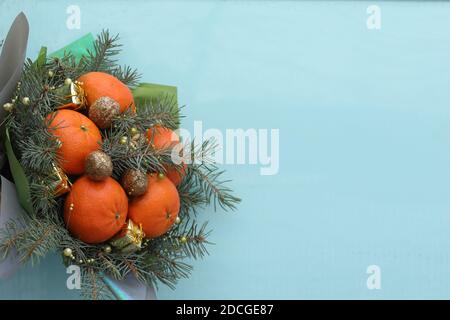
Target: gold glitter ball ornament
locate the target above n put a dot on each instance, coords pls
(134, 182)
(103, 111)
(98, 166)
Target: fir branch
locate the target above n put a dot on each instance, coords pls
(139, 156)
(208, 177)
(10, 235)
(166, 268)
(133, 263)
(205, 177)
(127, 75)
(43, 198)
(33, 238)
(109, 265)
(192, 197)
(101, 58)
(92, 285)
(190, 239)
(163, 110)
(64, 67)
(93, 282)
(38, 242)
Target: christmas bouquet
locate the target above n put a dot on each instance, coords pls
(102, 174)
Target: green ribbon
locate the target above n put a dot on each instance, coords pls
(20, 179)
(78, 48)
(143, 92)
(146, 91)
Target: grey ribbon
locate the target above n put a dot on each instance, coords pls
(12, 59)
(10, 209)
(11, 64)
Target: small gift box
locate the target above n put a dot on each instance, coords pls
(129, 238)
(61, 184)
(72, 95)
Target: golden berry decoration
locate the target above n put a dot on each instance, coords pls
(26, 101)
(67, 252)
(123, 140)
(8, 107)
(134, 131)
